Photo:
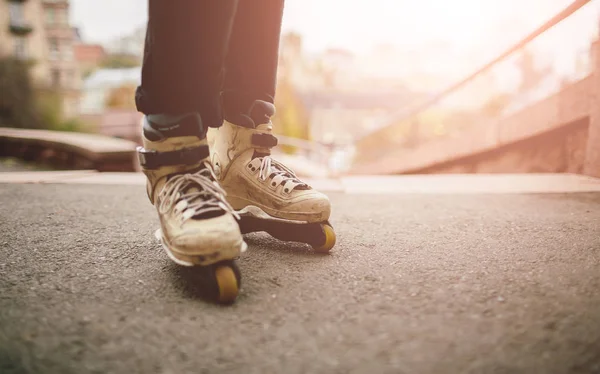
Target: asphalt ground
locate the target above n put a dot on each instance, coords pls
(449, 283)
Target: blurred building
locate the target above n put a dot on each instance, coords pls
(39, 31)
(97, 88)
(131, 45)
(344, 95)
(121, 123)
(343, 117)
(65, 75)
(23, 36)
(99, 85)
(89, 57)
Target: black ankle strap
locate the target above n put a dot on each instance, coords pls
(264, 140)
(187, 156)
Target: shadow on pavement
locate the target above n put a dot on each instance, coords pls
(194, 282)
(197, 282)
(264, 240)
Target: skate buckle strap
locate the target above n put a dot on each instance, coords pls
(185, 156)
(263, 140)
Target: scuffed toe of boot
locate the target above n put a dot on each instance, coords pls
(312, 206)
(208, 241)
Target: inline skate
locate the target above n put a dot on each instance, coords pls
(266, 194)
(198, 227)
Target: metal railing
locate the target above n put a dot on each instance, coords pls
(411, 115)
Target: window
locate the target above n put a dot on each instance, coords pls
(61, 16)
(67, 50)
(21, 48)
(56, 78)
(54, 48)
(16, 13)
(56, 16)
(50, 16)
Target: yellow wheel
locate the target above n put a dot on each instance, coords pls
(227, 283)
(329, 239)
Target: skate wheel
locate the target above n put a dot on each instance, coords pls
(228, 282)
(329, 239)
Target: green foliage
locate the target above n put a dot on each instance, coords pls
(22, 106)
(49, 109)
(291, 118)
(48, 106)
(72, 124)
(120, 62)
(17, 95)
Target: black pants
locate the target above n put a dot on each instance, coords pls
(214, 57)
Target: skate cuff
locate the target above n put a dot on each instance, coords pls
(186, 156)
(264, 140)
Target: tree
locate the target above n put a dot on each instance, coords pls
(291, 118)
(119, 61)
(22, 105)
(17, 95)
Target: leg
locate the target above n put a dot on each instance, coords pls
(267, 195)
(181, 81)
(186, 43)
(251, 62)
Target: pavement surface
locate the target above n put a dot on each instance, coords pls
(418, 283)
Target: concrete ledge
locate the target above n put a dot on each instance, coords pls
(401, 184)
(71, 150)
(558, 111)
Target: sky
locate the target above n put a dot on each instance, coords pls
(355, 24)
(483, 28)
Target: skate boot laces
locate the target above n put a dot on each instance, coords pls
(196, 195)
(270, 168)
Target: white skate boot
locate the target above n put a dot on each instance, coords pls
(197, 225)
(266, 194)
